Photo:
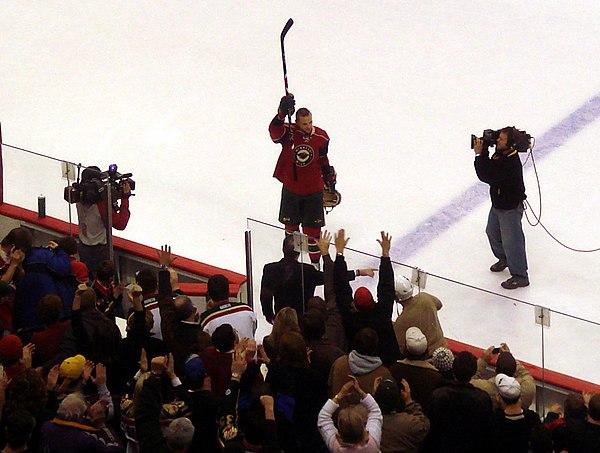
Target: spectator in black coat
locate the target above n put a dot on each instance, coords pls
(91, 334)
(460, 414)
(289, 283)
(139, 336)
(204, 406)
(291, 375)
(512, 423)
(324, 352)
(591, 436)
(570, 431)
(147, 414)
(362, 310)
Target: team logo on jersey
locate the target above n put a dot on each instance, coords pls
(304, 155)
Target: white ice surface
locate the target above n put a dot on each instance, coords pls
(181, 93)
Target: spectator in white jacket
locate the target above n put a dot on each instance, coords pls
(355, 432)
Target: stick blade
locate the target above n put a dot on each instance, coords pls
(287, 27)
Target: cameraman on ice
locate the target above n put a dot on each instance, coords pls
(504, 173)
(92, 214)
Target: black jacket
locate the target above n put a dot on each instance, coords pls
(379, 318)
(283, 281)
(461, 420)
(504, 174)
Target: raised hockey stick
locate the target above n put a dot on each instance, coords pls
(287, 27)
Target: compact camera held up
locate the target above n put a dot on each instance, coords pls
(518, 140)
(91, 187)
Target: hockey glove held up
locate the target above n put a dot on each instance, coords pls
(287, 105)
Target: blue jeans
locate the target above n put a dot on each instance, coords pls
(505, 234)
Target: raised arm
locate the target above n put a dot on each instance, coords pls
(277, 128)
(166, 306)
(385, 287)
(323, 243)
(343, 291)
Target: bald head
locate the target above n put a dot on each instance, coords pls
(184, 309)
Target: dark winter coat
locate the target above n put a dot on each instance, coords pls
(378, 318)
(46, 272)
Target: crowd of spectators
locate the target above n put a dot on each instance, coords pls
(334, 374)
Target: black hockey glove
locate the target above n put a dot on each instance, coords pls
(287, 105)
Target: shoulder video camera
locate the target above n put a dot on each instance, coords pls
(91, 187)
(517, 139)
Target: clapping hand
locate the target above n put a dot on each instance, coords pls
(350, 387)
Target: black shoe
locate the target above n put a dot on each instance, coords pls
(499, 266)
(515, 282)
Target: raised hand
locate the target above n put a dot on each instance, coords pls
(238, 362)
(323, 242)
(356, 387)
(143, 361)
(100, 378)
(87, 370)
(263, 354)
(287, 105)
(17, 256)
(340, 241)
(52, 378)
(164, 255)
(405, 393)
(385, 243)
(28, 350)
(171, 366)
(117, 290)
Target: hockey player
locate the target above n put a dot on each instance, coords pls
(303, 169)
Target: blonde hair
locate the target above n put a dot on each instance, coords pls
(351, 425)
(139, 384)
(286, 320)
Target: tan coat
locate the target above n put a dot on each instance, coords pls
(421, 311)
(489, 385)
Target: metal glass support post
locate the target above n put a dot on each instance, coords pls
(109, 213)
(249, 285)
(542, 317)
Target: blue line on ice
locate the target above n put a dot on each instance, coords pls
(409, 244)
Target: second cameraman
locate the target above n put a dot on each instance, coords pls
(92, 215)
(504, 174)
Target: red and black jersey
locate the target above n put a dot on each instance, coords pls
(300, 168)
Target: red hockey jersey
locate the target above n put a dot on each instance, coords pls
(300, 169)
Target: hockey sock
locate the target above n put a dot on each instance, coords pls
(313, 249)
(290, 229)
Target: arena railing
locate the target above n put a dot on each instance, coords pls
(555, 347)
(26, 174)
